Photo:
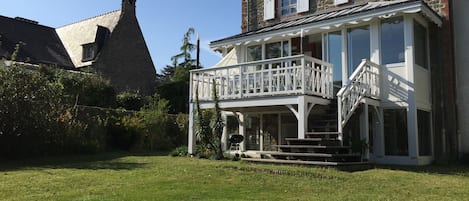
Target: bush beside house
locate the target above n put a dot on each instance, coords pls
(51, 112)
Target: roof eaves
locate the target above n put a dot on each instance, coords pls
(405, 7)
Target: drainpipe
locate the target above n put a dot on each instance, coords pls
(453, 58)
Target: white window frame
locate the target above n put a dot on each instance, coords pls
(290, 6)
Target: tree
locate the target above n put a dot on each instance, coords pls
(173, 82)
(186, 49)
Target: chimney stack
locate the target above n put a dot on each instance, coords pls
(128, 7)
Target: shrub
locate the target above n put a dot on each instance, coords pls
(81, 88)
(130, 101)
(155, 117)
(179, 151)
(30, 107)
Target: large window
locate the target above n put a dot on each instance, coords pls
(425, 133)
(395, 132)
(358, 46)
(334, 53)
(288, 7)
(277, 50)
(392, 41)
(420, 45)
(254, 53)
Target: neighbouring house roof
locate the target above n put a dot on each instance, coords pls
(38, 44)
(75, 35)
(332, 18)
(229, 59)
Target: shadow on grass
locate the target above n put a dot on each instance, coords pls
(456, 170)
(103, 161)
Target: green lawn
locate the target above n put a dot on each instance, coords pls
(119, 177)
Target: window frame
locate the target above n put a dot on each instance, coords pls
(424, 25)
(89, 52)
(386, 151)
(290, 7)
(381, 41)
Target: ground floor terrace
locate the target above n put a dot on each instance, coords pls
(350, 88)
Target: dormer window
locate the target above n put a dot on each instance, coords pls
(89, 52)
(288, 7)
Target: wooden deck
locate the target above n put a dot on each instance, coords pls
(301, 162)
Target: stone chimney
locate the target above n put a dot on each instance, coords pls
(128, 7)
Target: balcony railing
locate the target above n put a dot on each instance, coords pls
(295, 75)
(364, 82)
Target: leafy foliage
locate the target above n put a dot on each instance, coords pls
(81, 88)
(35, 119)
(173, 82)
(130, 101)
(209, 127)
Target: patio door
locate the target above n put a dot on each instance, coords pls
(270, 132)
(253, 130)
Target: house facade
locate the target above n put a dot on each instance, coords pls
(111, 44)
(461, 47)
(336, 82)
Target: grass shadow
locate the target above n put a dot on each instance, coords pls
(455, 170)
(92, 162)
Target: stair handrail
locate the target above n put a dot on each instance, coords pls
(364, 82)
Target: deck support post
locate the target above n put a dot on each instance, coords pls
(365, 132)
(302, 117)
(192, 136)
(242, 128)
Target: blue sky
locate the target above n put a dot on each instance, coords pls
(163, 22)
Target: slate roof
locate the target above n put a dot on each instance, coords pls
(38, 44)
(328, 15)
(86, 31)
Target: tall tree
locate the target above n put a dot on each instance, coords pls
(173, 82)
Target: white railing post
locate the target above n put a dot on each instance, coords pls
(339, 118)
(241, 73)
(191, 84)
(303, 75)
(278, 77)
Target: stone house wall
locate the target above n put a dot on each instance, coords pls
(125, 58)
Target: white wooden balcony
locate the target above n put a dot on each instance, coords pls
(287, 76)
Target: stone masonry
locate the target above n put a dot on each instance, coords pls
(125, 59)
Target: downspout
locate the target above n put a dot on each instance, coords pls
(453, 58)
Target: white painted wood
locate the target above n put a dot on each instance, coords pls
(242, 130)
(364, 82)
(269, 9)
(302, 117)
(259, 79)
(302, 6)
(224, 137)
(192, 137)
(344, 57)
(412, 109)
(340, 2)
(375, 42)
(292, 109)
(327, 23)
(423, 88)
